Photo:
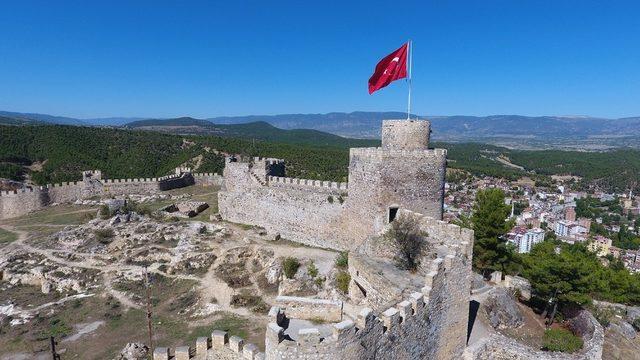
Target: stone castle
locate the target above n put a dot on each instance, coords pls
(20, 202)
(402, 174)
(390, 313)
(396, 314)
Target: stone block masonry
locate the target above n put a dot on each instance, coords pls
(218, 346)
(403, 173)
(21, 202)
(311, 309)
(427, 324)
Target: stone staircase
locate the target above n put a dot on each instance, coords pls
(257, 178)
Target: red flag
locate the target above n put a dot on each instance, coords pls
(391, 68)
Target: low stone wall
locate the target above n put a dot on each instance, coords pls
(513, 282)
(219, 346)
(366, 281)
(500, 347)
(310, 309)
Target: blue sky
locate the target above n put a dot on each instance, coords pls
(210, 58)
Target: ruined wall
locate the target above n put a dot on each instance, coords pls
(430, 324)
(218, 346)
(21, 202)
(310, 309)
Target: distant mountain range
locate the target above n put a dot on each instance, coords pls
(62, 120)
(507, 130)
(258, 130)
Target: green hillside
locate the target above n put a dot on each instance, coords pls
(64, 151)
(258, 130)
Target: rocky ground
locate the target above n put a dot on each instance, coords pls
(71, 273)
(498, 311)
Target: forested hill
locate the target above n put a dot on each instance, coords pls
(258, 130)
(513, 131)
(62, 152)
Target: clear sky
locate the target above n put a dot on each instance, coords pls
(210, 58)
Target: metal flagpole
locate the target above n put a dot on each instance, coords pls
(410, 61)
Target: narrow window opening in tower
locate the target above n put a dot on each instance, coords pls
(393, 211)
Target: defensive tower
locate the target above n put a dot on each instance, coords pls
(403, 173)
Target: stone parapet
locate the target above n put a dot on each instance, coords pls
(310, 309)
(277, 181)
(219, 345)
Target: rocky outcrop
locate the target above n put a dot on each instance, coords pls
(134, 351)
(625, 329)
(502, 310)
(500, 347)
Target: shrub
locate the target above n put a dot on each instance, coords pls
(342, 281)
(312, 270)
(342, 261)
(408, 240)
(58, 328)
(290, 267)
(255, 303)
(561, 340)
(330, 199)
(104, 235)
(104, 212)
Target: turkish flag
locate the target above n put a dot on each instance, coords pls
(391, 68)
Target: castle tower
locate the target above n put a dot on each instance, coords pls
(403, 173)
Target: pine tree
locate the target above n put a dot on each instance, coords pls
(490, 224)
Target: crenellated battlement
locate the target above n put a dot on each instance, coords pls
(268, 161)
(379, 152)
(295, 182)
(19, 202)
(403, 330)
(205, 174)
(217, 346)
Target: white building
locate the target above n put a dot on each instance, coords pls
(524, 238)
(562, 228)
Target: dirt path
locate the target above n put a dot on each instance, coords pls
(118, 295)
(211, 287)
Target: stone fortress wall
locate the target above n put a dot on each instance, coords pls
(430, 323)
(20, 202)
(403, 173)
